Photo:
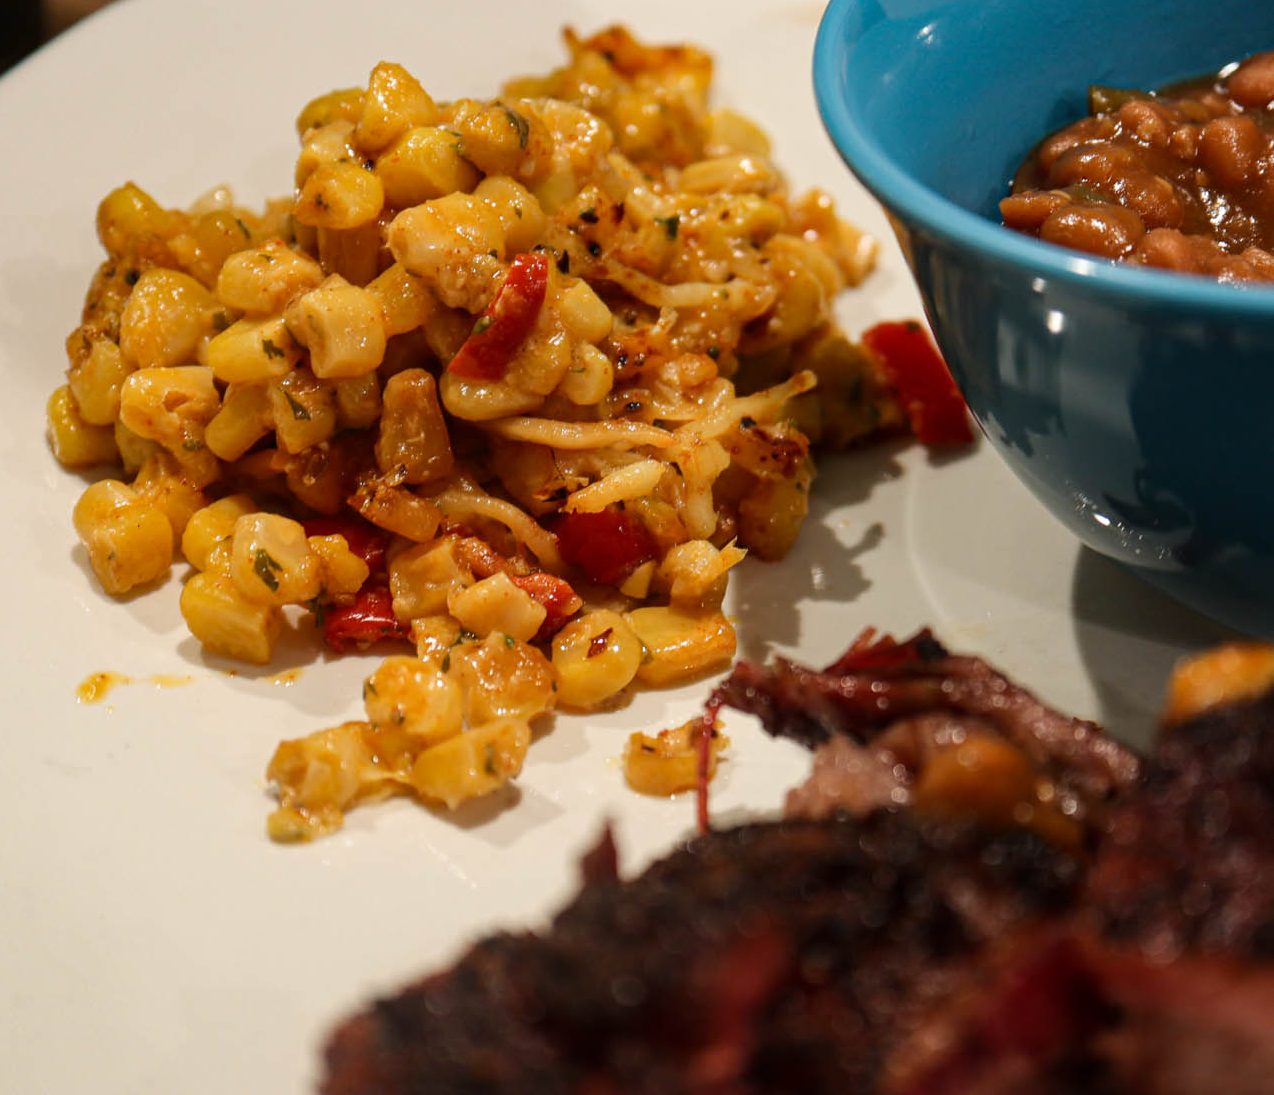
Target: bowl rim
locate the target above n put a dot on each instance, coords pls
(903, 195)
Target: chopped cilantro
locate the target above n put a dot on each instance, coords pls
(714, 352)
(671, 225)
(519, 123)
(247, 234)
(265, 566)
(510, 641)
(271, 350)
(488, 759)
(298, 408)
(589, 215)
(483, 324)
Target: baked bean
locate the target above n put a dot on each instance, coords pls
(1252, 83)
(1108, 230)
(1181, 179)
(1229, 149)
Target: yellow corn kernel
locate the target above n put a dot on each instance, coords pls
(501, 138)
(173, 406)
(412, 442)
(161, 483)
(424, 163)
(668, 763)
(422, 576)
(731, 132)
(1229, 674)
(271, 561)
(128, 214)
(449, 242)
(501, 678)
(495, 604)
(303, 410)
(405, 301)
(95, 382)
(594, 658)
(344, 104)
(213, 525)
(584, 314)
(340, 195)
(252, 350)
(263, 280)
(694, 573)
(473, 763)
(325, 144)
(521, 216)
(245, 417)
(226, 623)
(680, 645)
(637, 584)
(320, 776)
(414, 698)
(341, 572)
(737, 174)
(129, 541)
(76, 443)
(133, 450)
(167, 316)
(394, 103)
(358, 401)
(434, 636)
(396, 509)
(342, 325)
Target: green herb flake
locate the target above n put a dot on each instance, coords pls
(298, 409)
(192, 444)
(519, 123)
(589, 215)
(714, 352)
(247, 234)
(220, 322)
(671, 225)
(446, 662)
(488, 759)
(747, 422)
(266, 566)
(510, 641)
(483, 324)
(271, 350)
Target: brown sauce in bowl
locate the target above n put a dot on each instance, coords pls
(1181, 178)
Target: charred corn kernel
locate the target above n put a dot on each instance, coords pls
(668, 763)
(246, 416)
(226, 623)
(694, 573)
(594, 657)
(412, 442)
(1229, 674)
(318, 777)
(590, 378)
(495, 604)
(422, 577)
(584, 314)
(213, 525)
(404, 300)
(251, 351)
(129, 540)
(521, 217)
(303, 411)
(340, 195)
(424, 163)
(680, 645)
(167, 316)
(415, 698)
(394, 103)
(358, 401)
(342, 325)
(171, 406)
(96, 380)
(472, 764)
(161, 483)
(262, 281)
(341, 572)
(344, 104)
(271, 560)
(76, 443)
(501, 678)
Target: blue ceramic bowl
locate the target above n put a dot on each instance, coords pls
(1137, 405)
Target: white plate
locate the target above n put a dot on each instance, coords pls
(151, 938)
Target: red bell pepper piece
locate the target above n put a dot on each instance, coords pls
(368, 619)
(607, 546)
(364, 539)
(501, 329)
(918, 374)
(560, 601)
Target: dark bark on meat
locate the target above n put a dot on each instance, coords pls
(776, 957)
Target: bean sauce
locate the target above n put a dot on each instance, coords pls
(1181, 178)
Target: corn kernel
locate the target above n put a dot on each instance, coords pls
(76, 443)
(226, 623)
(495, 604)
(472, 764)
